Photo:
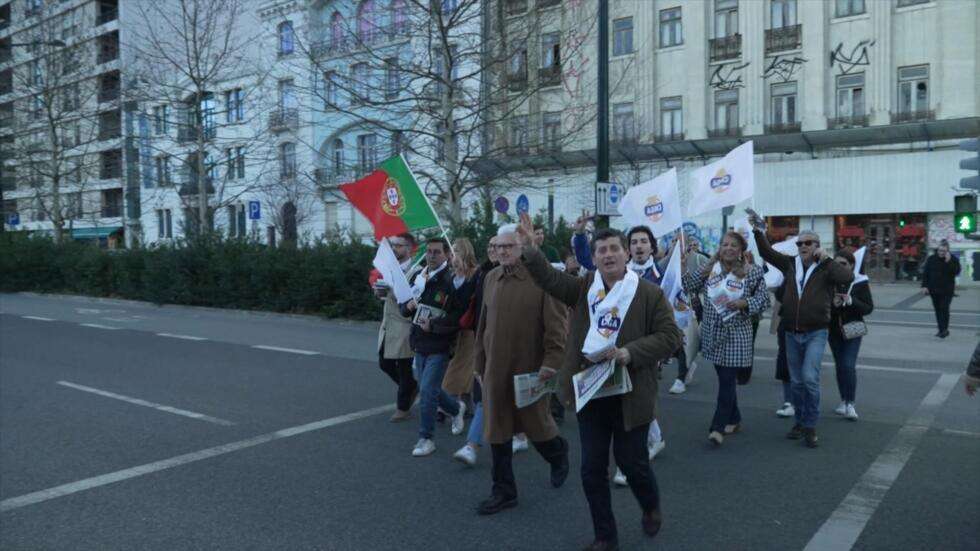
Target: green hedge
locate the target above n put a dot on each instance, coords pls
(328, 279)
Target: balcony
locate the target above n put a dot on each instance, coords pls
(350, 42)
(734, 132)
(855, 121)
(515, 7)
(782, 128)
(329, 178)
(784, 38)
(108, 47)
(107, 94)
(549, 76)
(187, 134)
(110, 130)
(516, 83)
(624, 140)
(673, 137)
(727, 47)
(284, 119)
(913, 116)
(188, 186)
(8, 183)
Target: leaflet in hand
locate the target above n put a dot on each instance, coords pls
(617, 383)
(426, 312)
(528, 389)
(586, 383)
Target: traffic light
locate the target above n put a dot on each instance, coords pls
(971, 163)
(965, 213)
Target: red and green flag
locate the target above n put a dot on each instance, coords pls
(390, 197)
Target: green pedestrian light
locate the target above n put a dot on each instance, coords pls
(966, 223)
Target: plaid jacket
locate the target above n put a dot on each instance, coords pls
(729, 343)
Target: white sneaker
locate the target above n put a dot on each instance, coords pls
(841, 409)
(656, 447)
(678, 388)
(690, 373)
(519, 445)
(459, 422)
(786, 411)
(424, 447)
(619, 478)
(851, 413)
(466, 454)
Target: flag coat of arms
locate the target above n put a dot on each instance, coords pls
(391, 198)
(654, 204)
(725, 182)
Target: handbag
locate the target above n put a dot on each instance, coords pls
(854, 329)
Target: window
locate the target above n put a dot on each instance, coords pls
(517, 69)
(449, 6)
(206, 106)
(287, 160)
(397, 142)
(236, 220)
(903, 3)
(336, 30)
(235, 162)
(783, 104)
(670, 28)
(515, 7)
(37, 107)
(330, 89)
(392, 80)
(782, 13)
(366, 153)
(726, 110)
(112, 203)
(70, 99)
(163, 174)
(399, 16)
(518, 134)
(671, 118)
(234, 105)
(913, 89)
(287, 95)
(850, 96)
(286, 38)
(37, 73)
(623, 36)
(726, 18)
(624, 125)
(338, 156)
(73, 210)
(165, 224)
(849, 7)
(161, 119)
(367, 27)
(550, 50)
(360, 74)
(551, 130)
(40, 212)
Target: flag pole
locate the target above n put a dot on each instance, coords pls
(445, 233)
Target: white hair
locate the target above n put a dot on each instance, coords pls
(507, 229)
(809, 232)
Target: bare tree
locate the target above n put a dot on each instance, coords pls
(445, 82)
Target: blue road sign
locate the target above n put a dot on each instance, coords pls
(13, 219)
(501, 205)
(523, 204)
(613, 194)
(254, 210)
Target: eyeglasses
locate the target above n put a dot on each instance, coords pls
(807, 243)
(505, 246)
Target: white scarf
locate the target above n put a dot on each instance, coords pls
(801, 283)
(607, 311)
(424, 276)
(641, 269)
(723, 289)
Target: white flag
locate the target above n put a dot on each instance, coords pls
(654, 204)
(774, 278)
(724, 182)
(673, 288)
(391, 272)
(858, 261)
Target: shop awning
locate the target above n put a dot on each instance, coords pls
(94, 233)
(850, 231)
(912, 231)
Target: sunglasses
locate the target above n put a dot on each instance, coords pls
(807, 243)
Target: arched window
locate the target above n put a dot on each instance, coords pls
(336, 30)
(337, 156)
(367, 25)
(286, 38)
(399, 16)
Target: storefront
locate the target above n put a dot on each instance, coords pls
(896, 243)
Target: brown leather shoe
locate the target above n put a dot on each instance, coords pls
(651, 521)
(600, 545)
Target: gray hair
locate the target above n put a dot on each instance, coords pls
(815, 235)
(507, 229)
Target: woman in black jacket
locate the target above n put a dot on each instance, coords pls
(851, 304)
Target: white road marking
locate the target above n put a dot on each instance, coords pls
(872, 367)
(38, 318)
(139, 402)
(98, 326)
(185, 337)
(290, 350)
(955, 432)
(846, 523)
(919, 324)
(149, 468)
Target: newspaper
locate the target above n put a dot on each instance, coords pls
(586, 383)
(528, 389)
(426, 312)
(617, 383)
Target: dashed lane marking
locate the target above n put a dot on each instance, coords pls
(145, 403)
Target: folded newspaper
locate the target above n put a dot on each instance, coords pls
(600, 380)
(528, 389)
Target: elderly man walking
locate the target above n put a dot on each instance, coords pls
(811, 280)
(520, 330)
(629, 318)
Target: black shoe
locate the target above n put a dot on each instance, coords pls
(796, 432)
(496, 504)
(810, 437)
(944, 334)
(599, 545)
(651, 522)
(559, 469)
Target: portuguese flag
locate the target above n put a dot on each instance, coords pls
(391, 199)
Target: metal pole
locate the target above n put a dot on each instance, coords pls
(602, 120)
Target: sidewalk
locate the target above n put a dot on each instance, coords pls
(909, 295)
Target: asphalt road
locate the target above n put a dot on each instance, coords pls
(130, 426)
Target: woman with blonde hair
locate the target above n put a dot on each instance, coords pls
(458, 380)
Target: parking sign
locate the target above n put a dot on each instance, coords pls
(254, 210)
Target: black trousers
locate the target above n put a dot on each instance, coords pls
(941, 302)
(600, 422)
(502, 456)
(400, 371)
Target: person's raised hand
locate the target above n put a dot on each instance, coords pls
(525, 230)
(581, 222)
(756, 220)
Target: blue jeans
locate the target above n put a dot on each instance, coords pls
(726, 409)
(475, 434)
(429, 370)
(845, 359)
(804, 352)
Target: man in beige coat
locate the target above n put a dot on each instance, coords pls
(520, 330)
(640, 339)
(394, 352)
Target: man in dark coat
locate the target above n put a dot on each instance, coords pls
(939, 281)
